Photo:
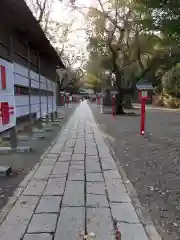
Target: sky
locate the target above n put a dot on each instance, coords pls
(62, 13)
(77, 39)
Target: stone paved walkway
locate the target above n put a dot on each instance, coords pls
(74, 191)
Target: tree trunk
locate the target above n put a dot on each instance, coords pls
(107, 98)
(128, 102)
(119, 104)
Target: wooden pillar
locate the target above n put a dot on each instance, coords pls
(13, 130)
(47, 117)
(29, 87)
(39, 78)
(52, 114)
(55, 95)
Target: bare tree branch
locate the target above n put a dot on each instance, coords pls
(42, 8)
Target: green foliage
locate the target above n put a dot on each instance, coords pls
(92, 82)
(137, 39)
(161, 15)
(171, 82)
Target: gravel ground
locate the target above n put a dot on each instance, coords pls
(152, 162)
(22, 163)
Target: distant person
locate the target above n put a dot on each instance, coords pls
(64, 100)
(67, 101)
(70, 99)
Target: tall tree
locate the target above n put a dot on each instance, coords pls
(161, 15)
(126, 47)
(114, 33)
(58, 33)
(41, 10)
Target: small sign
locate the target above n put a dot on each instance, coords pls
(114, 92)
(144, 94)
(144, 85)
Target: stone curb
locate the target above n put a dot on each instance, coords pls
(141, 212)
(5, 150)
(158, 108)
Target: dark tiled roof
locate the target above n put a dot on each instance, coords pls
(16, 15)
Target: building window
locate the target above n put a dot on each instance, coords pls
(21, 90)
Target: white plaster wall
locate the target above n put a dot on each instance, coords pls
(22, 102)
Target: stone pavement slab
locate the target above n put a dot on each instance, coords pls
(60, 168)
(76, 167)
(94, 177)
(70, 224)
(55, 187)
(35, 187)
(49, 161)
(43, 172)
(42, 223)
(99, 222)
(64, 158)
(76, 175)
(74, 194)
(96, 188)
(97, 201)
(124, 212)
(49, 204)
(18, 219)
(132, 231)
(117, 191)
(41, 236)
(75, 191)
(93, 167)
(78, 157)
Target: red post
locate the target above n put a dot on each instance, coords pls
(98, 100)
(113, 106)
(143, 113)
(6, 111)
(3, 77)
(117, 232)
(118, 235)
(62, 99)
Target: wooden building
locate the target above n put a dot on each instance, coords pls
(28, 62)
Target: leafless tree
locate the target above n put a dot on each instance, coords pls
(41, 10)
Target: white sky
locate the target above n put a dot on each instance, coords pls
(62, 13)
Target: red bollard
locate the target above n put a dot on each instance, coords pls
(118, 235)
(98, 100)
(143, 97)
(113, 106)
(117, 232)
(62, 100)
(143, 113)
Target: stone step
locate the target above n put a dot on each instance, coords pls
(5, 171)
